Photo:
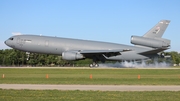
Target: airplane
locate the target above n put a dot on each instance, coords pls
(145, 47)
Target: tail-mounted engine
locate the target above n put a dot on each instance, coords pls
(150, 42)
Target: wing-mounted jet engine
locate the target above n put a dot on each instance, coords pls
(72, 55)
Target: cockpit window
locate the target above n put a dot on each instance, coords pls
(11, 38)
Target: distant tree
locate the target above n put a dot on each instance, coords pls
(175, 57)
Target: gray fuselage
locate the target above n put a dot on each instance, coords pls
(56, 46)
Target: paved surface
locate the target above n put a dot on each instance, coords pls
(90, 87)
(93, 68)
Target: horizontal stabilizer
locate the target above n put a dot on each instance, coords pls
(153, 51)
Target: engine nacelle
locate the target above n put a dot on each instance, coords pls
(150, 42)
(72, 56)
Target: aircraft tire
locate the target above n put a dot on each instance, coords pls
(91, 65)
(96, 65)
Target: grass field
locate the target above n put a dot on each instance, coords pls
(55, 95)
(81, 76)
(99, 76)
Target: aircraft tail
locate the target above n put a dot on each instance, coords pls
(158, 30)
(153, 37)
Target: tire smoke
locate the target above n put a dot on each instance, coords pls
(135, 64)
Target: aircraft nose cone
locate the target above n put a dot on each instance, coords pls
(5, 42)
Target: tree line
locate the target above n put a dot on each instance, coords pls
(12, 57)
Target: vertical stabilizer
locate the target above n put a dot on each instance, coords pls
(158, 30)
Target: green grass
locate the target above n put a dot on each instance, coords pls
(100, 76)
(55, 95)
(81, 76)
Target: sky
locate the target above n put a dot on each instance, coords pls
(100, 20)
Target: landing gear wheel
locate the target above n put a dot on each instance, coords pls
(96, 65)
(93, 65)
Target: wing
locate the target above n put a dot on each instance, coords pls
(107, 53)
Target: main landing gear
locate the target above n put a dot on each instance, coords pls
(27, 53)
(95, 61)
(94, 64)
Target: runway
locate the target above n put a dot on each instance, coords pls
(91, 87)
(91, 68)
